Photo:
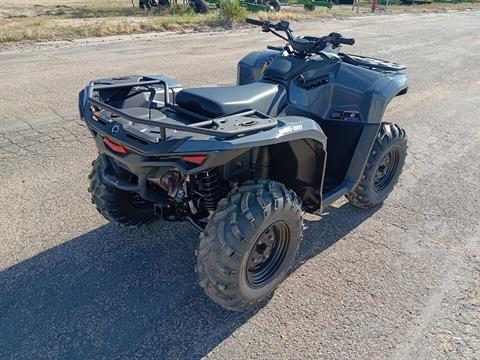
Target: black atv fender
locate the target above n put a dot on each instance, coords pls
(296, 155)
(383, 90)
(290, 128)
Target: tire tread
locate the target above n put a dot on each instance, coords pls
(388, 135)
(221, 251)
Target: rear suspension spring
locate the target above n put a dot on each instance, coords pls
(209, 188)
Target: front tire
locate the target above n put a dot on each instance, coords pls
(249, 244)
(383, 167)
(121, 207)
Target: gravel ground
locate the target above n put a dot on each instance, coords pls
(398, 282)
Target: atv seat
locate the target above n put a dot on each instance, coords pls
(218, 101)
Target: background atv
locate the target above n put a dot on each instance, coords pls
(243, 163)
(199, 6)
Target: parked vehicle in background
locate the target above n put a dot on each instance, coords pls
(199, 6)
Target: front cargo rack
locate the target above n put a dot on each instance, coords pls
(372, 63)
(227, 126)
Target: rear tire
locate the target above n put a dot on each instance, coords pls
(249, 244)
(118, 206)
(383, 167)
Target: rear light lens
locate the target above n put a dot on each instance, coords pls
(118, 148)
(195, 159)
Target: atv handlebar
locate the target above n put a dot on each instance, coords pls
(267, 26)
(346, 41)
(301, 45)
(336, 38)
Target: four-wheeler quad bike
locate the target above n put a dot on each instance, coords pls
(302, 128)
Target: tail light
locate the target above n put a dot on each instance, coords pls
(195, 159)
(117, 148)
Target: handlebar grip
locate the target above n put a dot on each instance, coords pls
(276, 48)
(254, 22)
(346, 41)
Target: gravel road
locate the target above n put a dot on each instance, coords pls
(398, 282)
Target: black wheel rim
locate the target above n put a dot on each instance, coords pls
(386, 169)
(268, 254)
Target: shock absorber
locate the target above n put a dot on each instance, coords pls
(209, 188)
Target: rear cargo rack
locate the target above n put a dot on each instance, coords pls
(228, 126)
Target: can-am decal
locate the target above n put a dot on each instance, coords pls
(289, 129)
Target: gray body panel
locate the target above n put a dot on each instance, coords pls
(250, 67)
(289, 128)
(346, 87)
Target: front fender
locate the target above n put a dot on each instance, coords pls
(384, 90)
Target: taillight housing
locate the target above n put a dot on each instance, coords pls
(116, 147)
(195, 159)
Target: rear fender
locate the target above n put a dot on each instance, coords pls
(290, 128)
(294, 153)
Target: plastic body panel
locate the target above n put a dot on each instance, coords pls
(348, 102)
(345, 88)
(250, 67)
(331, 85)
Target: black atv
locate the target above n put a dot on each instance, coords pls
(302, 128)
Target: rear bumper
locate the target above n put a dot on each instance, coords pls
(120, 174)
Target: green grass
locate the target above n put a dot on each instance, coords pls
(93, 18)
(41, 29)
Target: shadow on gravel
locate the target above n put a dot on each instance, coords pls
(119, 293)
